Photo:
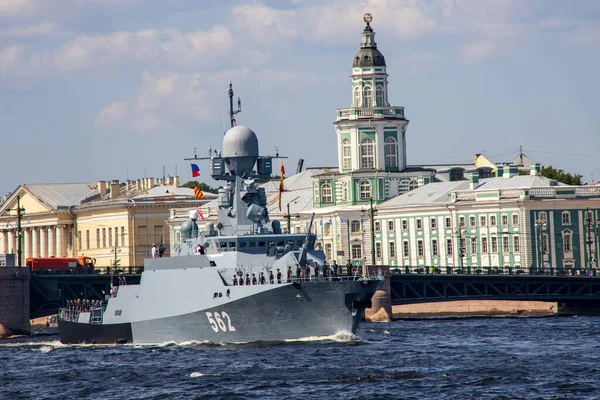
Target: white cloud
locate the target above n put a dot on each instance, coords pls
(478, 51)
(42, 29)
(10, 57)
(112, 114)
(15, 7)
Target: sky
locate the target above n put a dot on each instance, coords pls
(115, 89)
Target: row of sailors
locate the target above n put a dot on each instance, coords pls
(83, 305)
(329, 272)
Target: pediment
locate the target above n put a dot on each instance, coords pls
(30, 203)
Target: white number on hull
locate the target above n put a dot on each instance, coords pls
(217, 322)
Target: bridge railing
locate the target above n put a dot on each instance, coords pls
(483, 271)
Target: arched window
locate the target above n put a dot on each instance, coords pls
(379, 96)
(414, 184)
(391, 153)
(357, 97)
(355, 226)
(365, 189)
(367, 153)
(368, 96)
(346, 155)
(326, 196)
(345, 191)
(457, 174)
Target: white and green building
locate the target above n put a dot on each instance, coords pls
(505, 224)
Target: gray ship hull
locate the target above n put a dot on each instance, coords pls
(290, 311)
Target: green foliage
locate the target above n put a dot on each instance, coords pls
(561, 176)
(203, 186)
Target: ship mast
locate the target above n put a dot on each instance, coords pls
(232, 112)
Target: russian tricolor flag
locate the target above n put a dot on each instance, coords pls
(195, 171)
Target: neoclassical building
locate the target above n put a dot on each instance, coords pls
(96, 219)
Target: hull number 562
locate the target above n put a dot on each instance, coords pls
(220, 321)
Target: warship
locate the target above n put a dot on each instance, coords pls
(228, 282)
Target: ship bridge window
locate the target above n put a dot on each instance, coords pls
(261, 244)
(299, 242)
(242, 244)
(213, 264)
(281, 243)
(231, 244)
(251, 244)
(223, 245)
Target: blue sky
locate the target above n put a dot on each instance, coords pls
(109, 89)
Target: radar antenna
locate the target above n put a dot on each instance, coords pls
(232, 112)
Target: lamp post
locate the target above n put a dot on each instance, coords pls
(461, 249)
(540, 224)
(20, 210)
(589, 222)
(372, 213)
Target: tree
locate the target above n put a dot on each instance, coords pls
(561, 176)
(201, 185)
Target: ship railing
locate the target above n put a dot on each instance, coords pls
(96, 315)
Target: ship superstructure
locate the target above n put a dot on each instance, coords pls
(230, 281)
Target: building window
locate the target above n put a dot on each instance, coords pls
(434, 247)
(449, 248)
(390, 226)
(494, 244)
(377, 226)
(544, 243)
(326, 196)
(567, 242)
(482, 220)
(346, 154)
(357, 97)
(356, 251)
(345, 191)
(122, 236)
(542, 217)
(87, 239)
(365, 189)
(367, 153)
(377, 249)
(504, 220)
(110, 242)
(103, 237)
(473, 245)
(379, 96)
(79, 240)
(433, 223)
(391, 153)
(355, 226)
(405, 249)
(461, 222)
(316, 193)
(472, 222)
(98, 238)
(448, 223)
(419, 224)
(404, 224)
(516, 244)
(420, 248)
(492, 220)
(368, 96)
(505, 246)
(566, 218)
(515, 219)
(414, 184)
(392, 246)
(457, 175)
(484, 245)
(326, 229)
(328, 250)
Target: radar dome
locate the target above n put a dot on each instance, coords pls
(240, 150)
(240, 141)
(187, 229)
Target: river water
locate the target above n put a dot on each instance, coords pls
(454, 358)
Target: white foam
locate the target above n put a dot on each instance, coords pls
(342, 336)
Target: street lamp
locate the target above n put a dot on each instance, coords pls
(461, 248)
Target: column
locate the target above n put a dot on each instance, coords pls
(26, 243)
(11, 247)
(60, 231)
(51, 242)
(3, 243)
(43, 242)
(35, 242)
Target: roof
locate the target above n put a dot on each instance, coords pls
(440, 192)
(58, 195)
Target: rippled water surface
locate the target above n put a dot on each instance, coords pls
(472, 358)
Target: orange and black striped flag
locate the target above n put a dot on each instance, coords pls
(198, 193)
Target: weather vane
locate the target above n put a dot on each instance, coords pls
(368, 17)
